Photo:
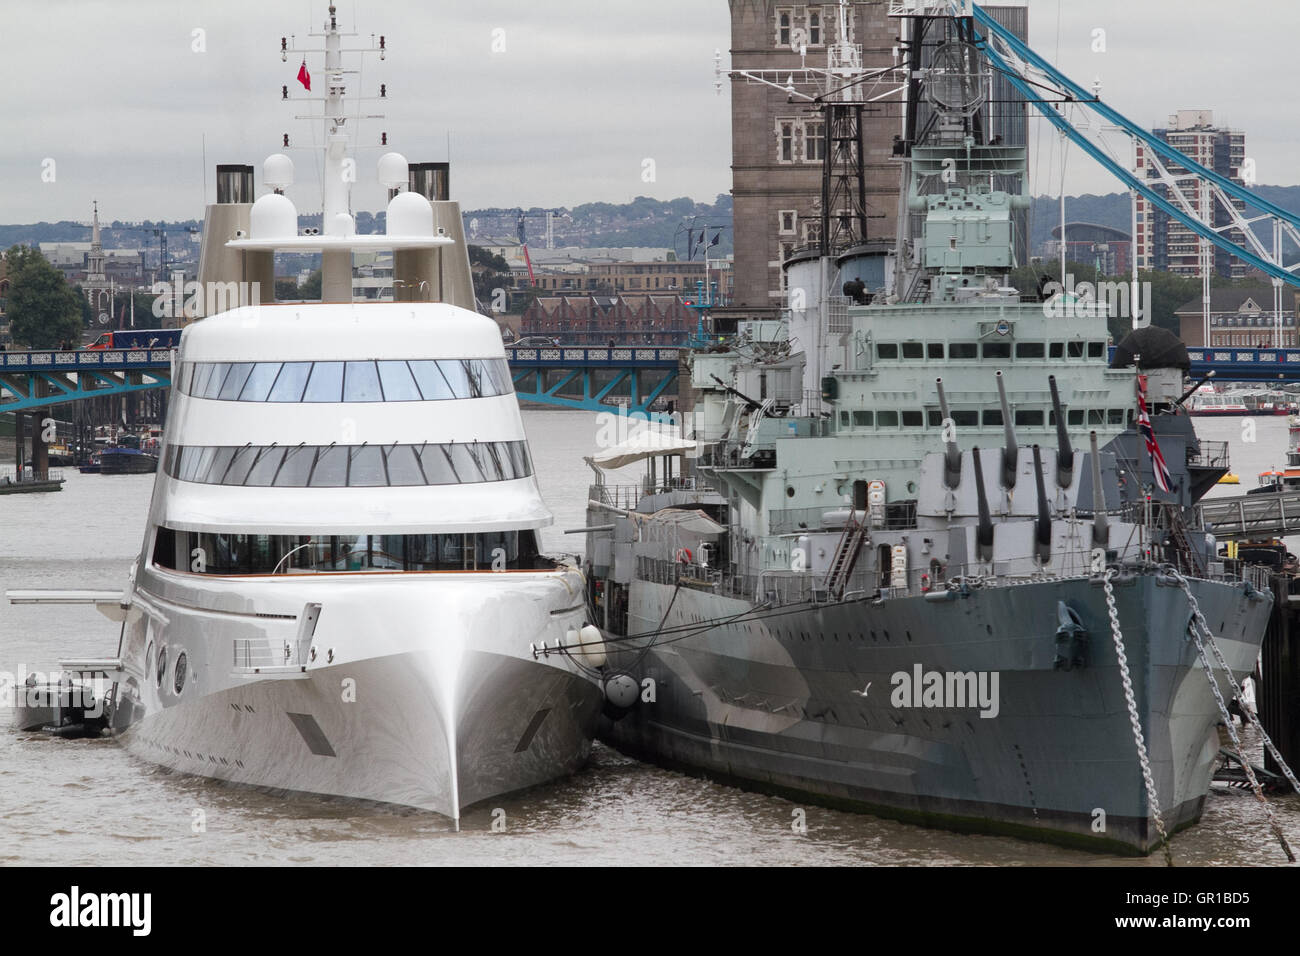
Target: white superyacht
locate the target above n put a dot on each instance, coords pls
(340, 585)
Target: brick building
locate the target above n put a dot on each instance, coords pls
(596, 320)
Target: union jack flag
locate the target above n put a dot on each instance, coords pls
(1164, 480)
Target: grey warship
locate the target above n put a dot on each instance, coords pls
(912, 554)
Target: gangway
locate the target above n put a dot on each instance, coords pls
(1252, 516)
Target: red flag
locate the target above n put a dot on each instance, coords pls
(303, 76)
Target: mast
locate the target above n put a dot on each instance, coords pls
(336, 213)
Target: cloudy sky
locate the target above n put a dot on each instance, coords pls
(116, 94)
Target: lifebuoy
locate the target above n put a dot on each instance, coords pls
(684, 556)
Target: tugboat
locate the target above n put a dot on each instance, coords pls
(884, 573)
(340, 588)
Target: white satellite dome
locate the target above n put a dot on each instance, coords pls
(341, 224)
(273, 217)
(277, 171)
(410, 214)
(393, 170)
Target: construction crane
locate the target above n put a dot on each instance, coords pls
(521, 217)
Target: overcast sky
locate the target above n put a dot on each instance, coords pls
(584, 91)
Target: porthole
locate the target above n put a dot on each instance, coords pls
(162, 664)
(911, 487)
(789, 491)
(178, 679)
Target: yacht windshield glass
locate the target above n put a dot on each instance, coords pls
(428, 380)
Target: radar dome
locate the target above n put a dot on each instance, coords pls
(393, 170)
(410, 214)
(277, 171)
(273, 217)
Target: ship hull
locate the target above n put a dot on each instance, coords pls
(774, 702)
(415, 690)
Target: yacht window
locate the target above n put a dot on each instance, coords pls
(295, 471)
(325, 553)
(369, 381)
(1096, 416)
(993, 416)
(361, 383)
(1056, 350)
(1096, 349)
(887, 350)
(887, 419)
(433, 384)
(861, 419)
(1030, 350)
(963, 350)
(913, 419)
(290, 382)
(234, 381)
(263, 472)
(240, 465)
(1074, 416)
(325, 383)
(1075, 349)
(1115, 416)
(366, 469)
(357, 466)
(844, 419)
(202, 373)
(404, 466)
(965, 417)
(934, 418)
(259, 383)
(997, 350)
(1029, 416)
(331, 469)
(463, 377)
(935, 350)
(399, 385)
(913, 350)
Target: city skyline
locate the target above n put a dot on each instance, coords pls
(129, 106)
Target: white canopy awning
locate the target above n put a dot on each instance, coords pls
(646, 443)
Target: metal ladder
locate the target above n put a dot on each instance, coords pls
(1178, 531)
(846, 557)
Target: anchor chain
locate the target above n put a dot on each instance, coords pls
(1198, 627)
(1148, 781)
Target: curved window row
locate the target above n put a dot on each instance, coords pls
(349, 466)
(428, 380)
(209, 553)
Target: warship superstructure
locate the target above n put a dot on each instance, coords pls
(912, 552)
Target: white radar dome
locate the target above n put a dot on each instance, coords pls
(273, 217)
(393, 170)
(277, 171)
(341, 224)
(410, 214)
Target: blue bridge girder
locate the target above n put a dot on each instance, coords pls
(40, 379)
(1074, 93)
(632, 376)
(609, 377)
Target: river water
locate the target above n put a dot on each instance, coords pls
(88, 802)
